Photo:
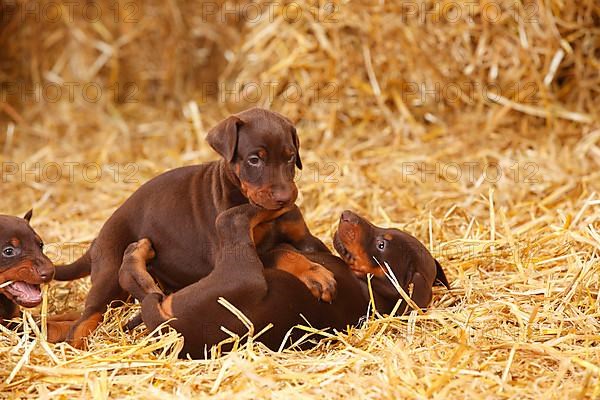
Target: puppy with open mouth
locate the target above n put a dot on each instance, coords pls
(23, 266)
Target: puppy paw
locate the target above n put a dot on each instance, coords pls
(320, 281)
(142, 249)
(58, 330)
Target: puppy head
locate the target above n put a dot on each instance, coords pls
(367, 248)
(22, 261)
(263, 149)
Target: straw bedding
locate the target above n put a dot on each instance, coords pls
(500, 182)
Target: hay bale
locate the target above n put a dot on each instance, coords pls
(502, 189)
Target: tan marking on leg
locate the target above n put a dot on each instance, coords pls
(318, 279)
(265, 216)
(58, 330)
(83, 330)
(133, 274)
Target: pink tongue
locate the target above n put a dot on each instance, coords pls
(27, 292)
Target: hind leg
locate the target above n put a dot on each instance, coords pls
(58, 330)
(105, 289)
(58, 326)
(133, 275)
(135, 279)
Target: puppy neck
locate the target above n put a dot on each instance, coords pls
(384, 294)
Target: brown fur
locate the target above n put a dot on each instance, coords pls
(360, 262)
(28, 263)
(318, 279)
(83, 328)
(58, 330)
(177, 211)
(271, 296)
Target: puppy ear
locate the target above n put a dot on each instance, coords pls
(296, 142)
(28, 216)
(440, 276)
(223, 137)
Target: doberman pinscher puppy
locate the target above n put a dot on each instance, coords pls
(23, 266)
(275, 296)
(177, 211)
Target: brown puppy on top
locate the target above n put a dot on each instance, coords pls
(23, 266)
(177, 211)
(274, 296)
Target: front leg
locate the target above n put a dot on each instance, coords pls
(289, 238)
(318, 279)
(286, 227)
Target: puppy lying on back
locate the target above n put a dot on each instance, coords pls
(177, 211)
(272, 295)
(23, 266)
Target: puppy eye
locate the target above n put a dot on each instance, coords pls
(254, 161)
(9, 252)
(41, 244)
(381, 245)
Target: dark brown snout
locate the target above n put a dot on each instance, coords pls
(25, 279)
(270, 198)
(348, 217)
(45, 270)
(286, 196)
(350, 243)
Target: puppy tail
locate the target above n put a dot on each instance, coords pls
(440, 275)
(78, 269)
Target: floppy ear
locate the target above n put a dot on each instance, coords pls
(28, 216)
(223, 137)
(296, 141)
(440, 276)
